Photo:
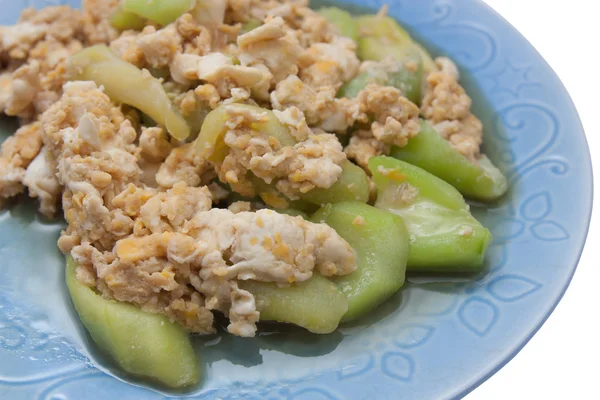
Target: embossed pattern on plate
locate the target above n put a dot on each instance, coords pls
(435, 340)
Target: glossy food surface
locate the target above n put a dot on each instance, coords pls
(317, 304)
(142, 343)
(444, 236)
(431, 152)
(380, 241)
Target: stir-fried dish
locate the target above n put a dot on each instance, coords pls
(255, 158)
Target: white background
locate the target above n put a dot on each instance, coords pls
(562, 361)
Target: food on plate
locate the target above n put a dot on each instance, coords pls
(256, 159)
(316, 304)
(141, 343)
(381, 242)
(342, 20)
(444, 236)
(143, 91)
(476, 178)
(160, 11)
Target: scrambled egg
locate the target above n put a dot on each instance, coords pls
(329, 64)
(315, 161)
(18, 151)
(448, 107)
(184, 242)
(140, 205)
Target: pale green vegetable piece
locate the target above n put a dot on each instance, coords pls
(92, 54)
(428, 185)
(430, 151)
(316, 304)
(141, 343)
(123, 20)
(381, 244)
(444, 236)
(162, 12)
(352, 185)
(382, 36)
(342, 20)
(210, 143)
(124, 83)
(351, 88)
(409, 82)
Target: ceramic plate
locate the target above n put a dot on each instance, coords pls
(437, 339)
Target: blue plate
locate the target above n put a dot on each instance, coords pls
(435, 339)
